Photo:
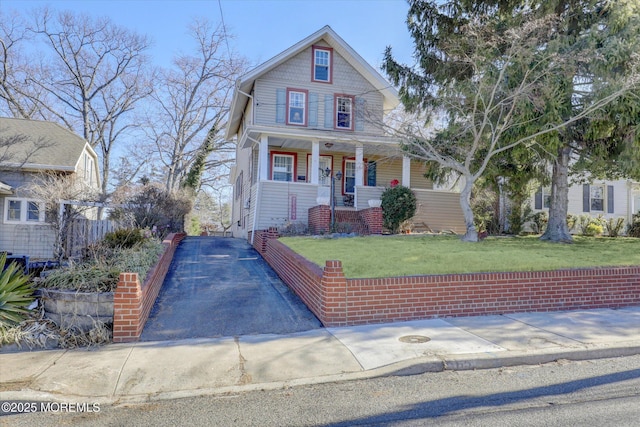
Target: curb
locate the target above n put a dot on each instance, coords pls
(415, 366)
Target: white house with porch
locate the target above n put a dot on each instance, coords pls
(310, 115)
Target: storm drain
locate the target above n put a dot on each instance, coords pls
(414, 339)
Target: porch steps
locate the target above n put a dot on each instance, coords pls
(353, 219)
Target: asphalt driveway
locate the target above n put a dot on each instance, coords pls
(219, 287)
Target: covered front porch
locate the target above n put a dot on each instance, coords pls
(290, 176)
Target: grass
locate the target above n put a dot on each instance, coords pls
(386, 256)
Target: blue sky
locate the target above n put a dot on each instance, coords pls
(261, 28)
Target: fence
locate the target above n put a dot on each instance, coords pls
(83, 232)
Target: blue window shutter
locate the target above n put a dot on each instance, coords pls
(371, 174)
(328, 111)
(538, 201)
(281, 104)
(609, 198)
(586, 198)
(360, 114)
(313, 109)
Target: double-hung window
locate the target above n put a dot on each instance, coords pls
(344, 112)
(23, 211)
(282, 167)
(597, 198)
(297, 107)
(349, 176)
(322, 64)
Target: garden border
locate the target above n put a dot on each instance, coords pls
(338, 301)
(132, 302)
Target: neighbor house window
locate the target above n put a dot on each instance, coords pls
(322, 64)
(23, 211)
(546, 197)
(88, 169)
(597, 197)
(282, 167)
(344, 112)
(297, 107)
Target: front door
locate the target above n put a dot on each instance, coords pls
(326, 162)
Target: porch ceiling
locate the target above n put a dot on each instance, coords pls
(328, 147)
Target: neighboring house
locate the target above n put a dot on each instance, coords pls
(317, 107)
(28, 148)
(610, 199)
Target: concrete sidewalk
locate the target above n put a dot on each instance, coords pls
(145, 371)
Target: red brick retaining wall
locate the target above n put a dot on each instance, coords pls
(132, 302)
(319, 219)
(372, 218)
(338, 301)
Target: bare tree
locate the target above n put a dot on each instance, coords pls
(19, 97)
(91, 75)
(51, 188)
(193, 99)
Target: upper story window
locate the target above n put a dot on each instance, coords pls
(297, 107)
(88, 169)
(344, 112)
(322, 64)
(23, 211)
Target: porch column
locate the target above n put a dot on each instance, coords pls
(263, 158)
(315, 162)
(406, 171)
(359, 165)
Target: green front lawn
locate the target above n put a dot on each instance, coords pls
(385, 256)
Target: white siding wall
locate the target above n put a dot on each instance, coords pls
(275, 205)
(296, 73)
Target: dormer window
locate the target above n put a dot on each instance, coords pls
(322, 64)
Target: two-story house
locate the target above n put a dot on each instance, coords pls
(29, 148)
(310, 115)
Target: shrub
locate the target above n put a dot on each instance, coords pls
(101, 273)
(123, 238)
(293, 229)
(571, 221)
(633, 228)
(614, 226)
(539, 222)
(16, 293)
(593, 229)
(398, 205)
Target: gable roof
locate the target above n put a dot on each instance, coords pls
(245, 83)
(44, 145)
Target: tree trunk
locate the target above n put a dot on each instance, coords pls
(557, 229)
(465, 203)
